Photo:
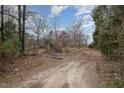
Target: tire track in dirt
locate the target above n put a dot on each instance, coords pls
(78, 70)
(68, 74)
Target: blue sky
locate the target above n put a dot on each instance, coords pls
(67, 15)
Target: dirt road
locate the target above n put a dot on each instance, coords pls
(78, 68)
(73, 71)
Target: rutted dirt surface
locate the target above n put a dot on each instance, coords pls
(75, 70)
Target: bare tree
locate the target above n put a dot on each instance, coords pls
(64, 39)
(76, 30)
(45, 35)
(55, 26)
(39, 28)
(23, 31)
(8, 13)
(79, 39)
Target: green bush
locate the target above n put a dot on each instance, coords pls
(10, 46)
(103, 43)
(10, 28)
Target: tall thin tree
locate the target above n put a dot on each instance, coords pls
(2, 23)
(19, 25)
(23, 30)
(2, 31)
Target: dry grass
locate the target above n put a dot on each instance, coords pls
(23, 66)
(113, 74)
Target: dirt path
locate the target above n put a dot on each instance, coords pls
(67, 75)
(74, 71)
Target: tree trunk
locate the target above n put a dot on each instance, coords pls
(19, 24)
(38, 40)
(23, 31)
(2, 33)
(2, 39)
(2, 24)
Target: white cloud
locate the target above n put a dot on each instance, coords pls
(56, 10)
(87, 20)
(88, 17)
(31, 22)
(84, 9)
(89, 30)
(84, 13)
(90, 38)
(88, 25)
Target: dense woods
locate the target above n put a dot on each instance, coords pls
(12, 39)
(109, 39)
(109, 34)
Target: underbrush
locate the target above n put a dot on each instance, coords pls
(113, 74)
